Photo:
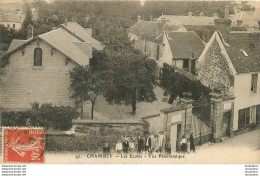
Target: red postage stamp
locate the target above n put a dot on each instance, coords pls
(23, 145)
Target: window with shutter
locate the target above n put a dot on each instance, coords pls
(257, 113)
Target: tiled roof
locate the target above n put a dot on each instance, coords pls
(11, 18)
(148, 30)
(188, 20)
(15, 43)
(236, 43)
(81, 33)
(65, 42)
(183, 44)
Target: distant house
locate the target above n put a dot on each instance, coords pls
(147, 37)
(151, 38)
(230, 64)
(11, 21)
(37, 69)
(247, 19)
(181, 49)
(189, 20)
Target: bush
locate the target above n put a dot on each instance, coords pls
(46, 115)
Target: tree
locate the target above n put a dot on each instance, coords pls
(176, 84)
(130, 78)
(85, 85)
(28, 16)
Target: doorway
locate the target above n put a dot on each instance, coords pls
(226, 123)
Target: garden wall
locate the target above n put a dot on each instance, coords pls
(91, 135)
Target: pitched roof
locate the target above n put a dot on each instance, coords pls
(146, 30)
(188, 20)
(240, 49)
(81, 33)
(62, 40)
(11, 18)
(65, 42)
(183, 44)
(15, 44)
(244, 51)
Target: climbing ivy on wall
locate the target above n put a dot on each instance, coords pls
(175, 84)
(214, 70)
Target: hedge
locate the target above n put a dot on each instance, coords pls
(46, 115)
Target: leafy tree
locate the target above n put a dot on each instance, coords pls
(130, 78)
(176, 84)
(85, 85)
(28, 16)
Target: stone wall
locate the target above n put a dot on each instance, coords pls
(214, 70)
(91, 136)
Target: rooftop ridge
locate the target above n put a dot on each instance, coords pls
(245, 32)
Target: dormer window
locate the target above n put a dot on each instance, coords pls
(37, 57)
(244, 52)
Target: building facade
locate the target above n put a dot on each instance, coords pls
(11, 21)
(230, 65)
(37, 69)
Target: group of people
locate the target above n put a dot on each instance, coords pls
(149, 144)
(187, 144)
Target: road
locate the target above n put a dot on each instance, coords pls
(243, 149)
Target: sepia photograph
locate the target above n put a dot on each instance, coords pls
(129, 82)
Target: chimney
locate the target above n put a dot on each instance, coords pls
(190, 13)
(66, 21)
(239, 9)
(235, 9)
(29, 32)
(159, 28)
(74, 19)
(226, 12)
(201, 14)
(139, 18)
(151, 18)
(239, 22)
(86, 19)
(215, 15)
(222, 25)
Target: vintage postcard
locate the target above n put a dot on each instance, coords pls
(130, 82)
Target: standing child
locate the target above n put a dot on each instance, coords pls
(131, 146)
(192, 144)
(161, 140)
(125, 146)
(119, 147)
(139, 145)
(168, 146)
(184, 144)
(106, 149)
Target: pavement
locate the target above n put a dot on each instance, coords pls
(244, 148)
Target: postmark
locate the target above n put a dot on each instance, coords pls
(23, 145)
